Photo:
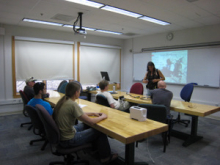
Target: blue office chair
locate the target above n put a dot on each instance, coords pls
(62, 82)
(82, 94)
(62, 87)
(185, 94)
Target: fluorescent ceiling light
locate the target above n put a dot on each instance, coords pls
(87, 3)
(154, 20)
(86, 28)
(41, 22)
(106, 31)
(121, 11)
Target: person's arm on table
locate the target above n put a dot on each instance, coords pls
(91, 121)
(112, 105)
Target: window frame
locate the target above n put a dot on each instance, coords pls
(14, 84)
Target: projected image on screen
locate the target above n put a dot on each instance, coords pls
(173, 65)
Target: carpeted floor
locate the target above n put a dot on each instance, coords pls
(15, 148)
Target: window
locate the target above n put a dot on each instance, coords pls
(97, 58)
(21, 84)
(43, 59)
(53, 84)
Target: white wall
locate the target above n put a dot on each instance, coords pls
(2, 90)
(190, 36)
(7, 102)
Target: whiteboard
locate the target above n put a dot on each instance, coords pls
(203, 66)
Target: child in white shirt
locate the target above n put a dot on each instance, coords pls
(120, 105)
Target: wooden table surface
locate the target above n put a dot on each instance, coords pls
(195, 110)
(118, 125)
(190, 108)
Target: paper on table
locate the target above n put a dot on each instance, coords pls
(81, 105)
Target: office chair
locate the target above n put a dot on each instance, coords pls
(38, 127)
(62, 82)
(185, 94)
(82, 94)
(25, 101)
(158, 113)
(137, 88)
(102, 100)
(53, 136)
(62, 87)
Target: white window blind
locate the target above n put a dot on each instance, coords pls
(43, 60)
(93, 60)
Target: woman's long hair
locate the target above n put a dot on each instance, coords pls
(71, 89)
(151, 64)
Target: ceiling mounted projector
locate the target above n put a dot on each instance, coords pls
(80, 30)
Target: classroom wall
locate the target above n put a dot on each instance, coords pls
(197, 35)
(190, 36)
(7, 102)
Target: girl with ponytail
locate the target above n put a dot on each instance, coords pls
(67, 111)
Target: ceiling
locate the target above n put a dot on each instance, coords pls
(182, 14)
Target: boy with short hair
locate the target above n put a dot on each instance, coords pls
(39, 90)
(120, 105)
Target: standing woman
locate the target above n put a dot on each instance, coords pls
(65, 114)
(152, 76)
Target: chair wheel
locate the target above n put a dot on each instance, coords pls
(31, 143)
(186, 125)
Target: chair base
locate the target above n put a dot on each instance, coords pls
(28, 123)
(37, 140)
(178, 120)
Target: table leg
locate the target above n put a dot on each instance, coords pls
(129, 156)
(188, 138)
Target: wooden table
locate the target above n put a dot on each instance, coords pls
(118, 125)
(195, 110)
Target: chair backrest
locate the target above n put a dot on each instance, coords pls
(62, 88)
(23, 97)
(35, 119)
(102, 100)
(137, 88)
(155, 112)
(81, 91)
(51, 129)
(186, 92)
(58, 88)
(80, 86)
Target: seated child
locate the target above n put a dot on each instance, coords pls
(120, 105)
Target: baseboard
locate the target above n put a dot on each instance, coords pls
(11, 109)
(10, 113)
